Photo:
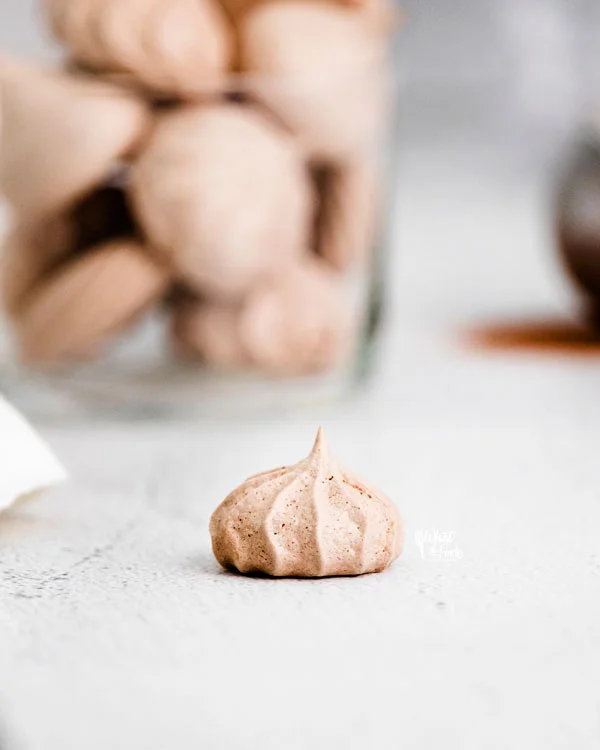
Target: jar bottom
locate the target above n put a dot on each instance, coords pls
(170, 391)
(138, 379)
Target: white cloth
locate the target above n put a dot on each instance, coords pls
(26, 463)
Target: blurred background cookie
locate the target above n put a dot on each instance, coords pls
(299, 322)
(225, 196)
(181, 48)
(61, 135)
(209, 332)
(87, 301)
(34, 248)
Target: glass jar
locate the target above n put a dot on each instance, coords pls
(218, 255)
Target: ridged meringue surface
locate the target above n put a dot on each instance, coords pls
(310, 520)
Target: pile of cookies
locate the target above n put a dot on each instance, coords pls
(213, 157)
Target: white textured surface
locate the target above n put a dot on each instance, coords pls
(118, 629)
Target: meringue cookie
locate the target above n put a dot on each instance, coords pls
(174, 47)
(225, 196)
(310, 520)
(348, 215)
(71, 313)
(61, 135)
(211, 333)
(294, 324)
(101, 216)
(299, 322)
(380, 9)
(31, 250)
(320, 68)
(72, 19)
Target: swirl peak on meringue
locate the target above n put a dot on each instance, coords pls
(312, 519)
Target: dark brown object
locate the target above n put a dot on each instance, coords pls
(579, 220)
(102, 215)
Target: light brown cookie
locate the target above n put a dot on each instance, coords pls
(382, 12)
(31, 250)
(114, 34)
(34, 248)
(88, 300)
(61, 135)
(181, 48)
(54, 14)
(225, 196)
(211, 333)
(299, 322)
(311, 519)
(321, 68)
(80, 22)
